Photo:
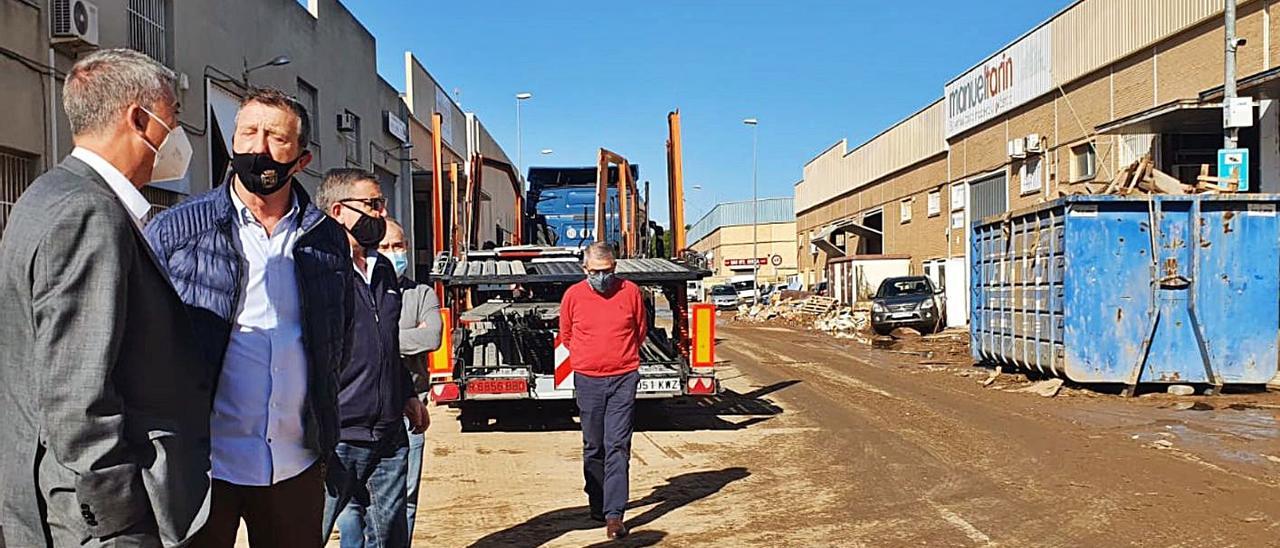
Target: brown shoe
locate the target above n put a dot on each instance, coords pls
(614, 528)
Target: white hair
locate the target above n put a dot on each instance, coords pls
(103, 84)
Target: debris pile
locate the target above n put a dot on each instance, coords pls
(812, 312)
(1141, 177)
(844, 322)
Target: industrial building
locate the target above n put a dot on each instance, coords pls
(314, 49)
(1093, 88)
(729, 235)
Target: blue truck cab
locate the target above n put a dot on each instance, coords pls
(563, 199)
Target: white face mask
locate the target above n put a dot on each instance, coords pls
(174, 155)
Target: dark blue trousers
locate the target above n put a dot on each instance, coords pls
(606, 406)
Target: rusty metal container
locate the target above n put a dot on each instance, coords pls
(1132, 289)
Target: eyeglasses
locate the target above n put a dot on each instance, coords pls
(375, 204)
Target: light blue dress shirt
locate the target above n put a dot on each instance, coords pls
(257, 437)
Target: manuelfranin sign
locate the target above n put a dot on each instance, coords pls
(1006, 80)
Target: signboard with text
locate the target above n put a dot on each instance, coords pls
(1233, 163)
(746, 262)
(396, 126)
(445, 107)
(1006, 80)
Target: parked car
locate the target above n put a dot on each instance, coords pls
(724, 296)
(908, 301)
(767, 291)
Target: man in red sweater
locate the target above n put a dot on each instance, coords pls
(603, 322)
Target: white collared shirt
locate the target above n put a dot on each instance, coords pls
(128, 194)
(257, 437)
(370, 260)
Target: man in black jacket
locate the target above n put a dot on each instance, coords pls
(371, 460)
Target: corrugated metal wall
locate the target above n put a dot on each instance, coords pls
(834, 172)
(1096, 33)
(771, 210)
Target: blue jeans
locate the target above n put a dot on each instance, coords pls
(372, 475)
(416, 444)
(351, 521)
(606, 406)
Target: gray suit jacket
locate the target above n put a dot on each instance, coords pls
(105, 403)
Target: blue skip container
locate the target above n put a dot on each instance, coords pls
(1084, 288)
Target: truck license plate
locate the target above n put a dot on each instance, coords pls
(498, 386)
(659, 385)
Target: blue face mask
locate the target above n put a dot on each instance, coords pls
(399, 260)
(602, 282)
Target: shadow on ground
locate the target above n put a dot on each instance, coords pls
(677, 492)
(673, 415)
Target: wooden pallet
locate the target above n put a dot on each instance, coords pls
(818, 305)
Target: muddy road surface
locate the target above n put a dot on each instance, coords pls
(822, 442)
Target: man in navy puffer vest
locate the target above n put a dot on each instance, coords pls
(266, 277)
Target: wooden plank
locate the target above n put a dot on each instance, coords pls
(1165, 183)
(1116, 181)
(1138, 173)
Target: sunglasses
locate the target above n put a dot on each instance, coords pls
(375, 204)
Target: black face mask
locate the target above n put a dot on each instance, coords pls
(260, 173)
(368, 230)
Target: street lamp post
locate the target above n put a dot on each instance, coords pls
(277, 61)
(755, 211)
(520, 98)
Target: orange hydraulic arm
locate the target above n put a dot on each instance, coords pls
(454, 240)
(628, 198)
(476, 182)
(675, 184)
(437, 194)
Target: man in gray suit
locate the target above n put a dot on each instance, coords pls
(105, 403)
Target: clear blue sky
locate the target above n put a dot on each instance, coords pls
(605, 74)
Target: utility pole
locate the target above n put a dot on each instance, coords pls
(1231, 135)
(755, 211)
(520, 98)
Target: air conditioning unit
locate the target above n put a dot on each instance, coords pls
(1017, 148)
(75, 25)
(347, 122)
(1035, 145)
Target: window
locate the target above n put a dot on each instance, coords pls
(905, 210)
(148, 21)
(1030, 175)
(16, 173)
(935, 203)
(1084, 162)
(349, 126)
(957, 219)
(957, 197)
(309, 96)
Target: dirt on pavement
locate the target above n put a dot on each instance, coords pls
(824, 442)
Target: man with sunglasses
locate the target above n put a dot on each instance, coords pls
(603, 322)
(266, 277)
(370, 464)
